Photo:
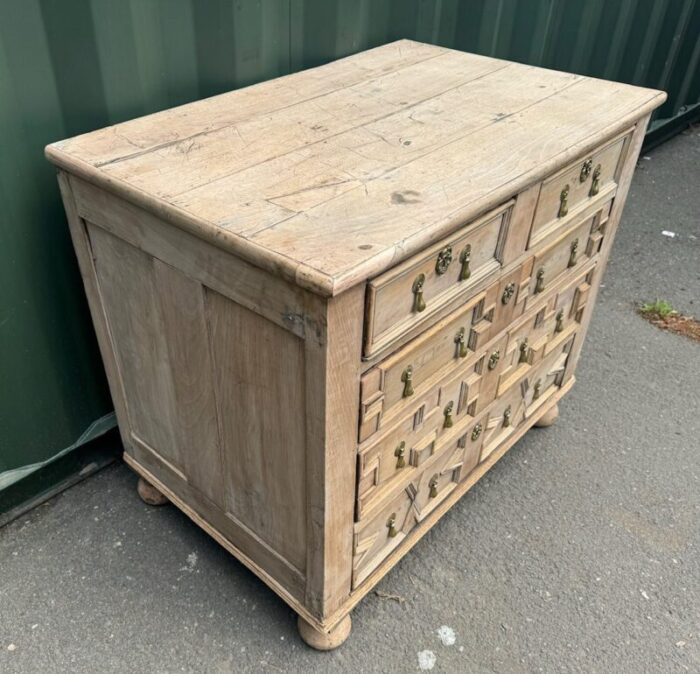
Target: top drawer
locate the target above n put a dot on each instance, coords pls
(575, 186)
(417, 289)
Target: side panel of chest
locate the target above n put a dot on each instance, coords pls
(228, 389)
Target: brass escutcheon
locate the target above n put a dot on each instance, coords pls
(447, 412)
(461, 342)
(508, 292)
(573, 255)
(433, 484)
(444, 259)
(493, 359)
(506, 416)
(476, 431)
(407, 379)
(586, 170)
(418, 301)
(539, 286)
(563, 202)
(464, 258)
(595, 185)
(559, 326)
(391, 525)
(400, 453)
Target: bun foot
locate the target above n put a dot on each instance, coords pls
(324, 641)
(548, 418)
(149, 494)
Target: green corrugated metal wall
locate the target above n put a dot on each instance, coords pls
(69, 66)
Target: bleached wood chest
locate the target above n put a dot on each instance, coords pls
(328, 303)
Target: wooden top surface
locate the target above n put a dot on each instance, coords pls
(332, 175)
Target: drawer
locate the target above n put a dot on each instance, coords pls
(546, 328)
(573, 247)
(377, 536)
(407, 384)
(414, 291)
(394, 458)
(575, 186)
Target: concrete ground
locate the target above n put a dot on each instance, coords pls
(579, 552)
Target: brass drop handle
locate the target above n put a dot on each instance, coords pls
(493, 359)
(506, 416)
(573, 255)
(391, 525)
(433, 484)
(461, 341)
(539, 285)
(465, 257)
(537, 389)
(586, 170)
(407, 379)
(447, 412)
(418, 300)
(559, 326)
(595, 185)
(400, 453)
(564, 202)
(524, 352)
(508, 292)
(476, 432)
(444, 259)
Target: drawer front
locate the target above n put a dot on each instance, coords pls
(575, 186)
(415, 290)
(571, 249)
(469, 382)
(378, 535)
(392, 387)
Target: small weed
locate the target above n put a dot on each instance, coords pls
(662, 314)
(660, 309)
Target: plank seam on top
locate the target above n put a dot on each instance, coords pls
(155, 148)
(336, 135)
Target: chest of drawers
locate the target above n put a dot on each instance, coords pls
(328, 303)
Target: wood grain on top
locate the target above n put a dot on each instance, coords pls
(331, 175)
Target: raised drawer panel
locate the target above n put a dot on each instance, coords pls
(415, 290)
(576, 185)
(400, 388)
